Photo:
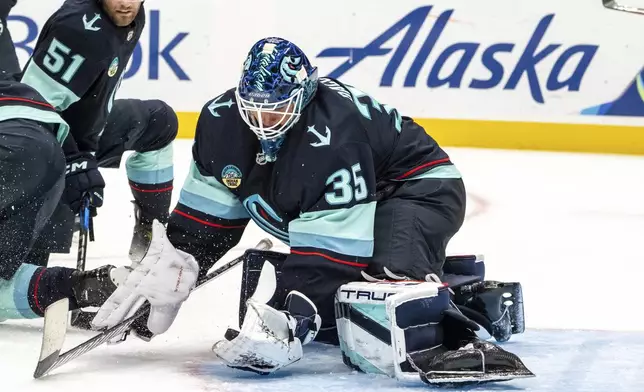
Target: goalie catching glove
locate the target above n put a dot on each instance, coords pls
(270, 339)
(164, 278)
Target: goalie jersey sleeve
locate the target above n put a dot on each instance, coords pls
(208, 219)
(77, 65)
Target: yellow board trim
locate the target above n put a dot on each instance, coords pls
(514, 135)
(187, 124)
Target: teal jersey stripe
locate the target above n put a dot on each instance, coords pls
(212, 207)
(347, 231)
(14, 302)
(151, 177)
(58, 95)
(151, 167)
(31, 113)
(206, 194)
(347, 246)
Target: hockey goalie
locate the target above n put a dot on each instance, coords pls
(362, 195)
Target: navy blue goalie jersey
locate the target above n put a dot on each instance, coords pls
(320, 195)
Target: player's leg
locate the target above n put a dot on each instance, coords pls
(418, 329)
(55, 237)
(147, 128)
(33, 169)
(414, 225)
(412, 229)
(33, 178)
(8, 59)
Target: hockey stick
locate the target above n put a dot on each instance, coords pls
(82, 235)
(81, 319)
(55, 326)
(612, 5)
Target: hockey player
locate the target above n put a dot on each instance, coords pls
(357, 191)
(8, 60)
(32, 179)
(77, 65)
(147, 127)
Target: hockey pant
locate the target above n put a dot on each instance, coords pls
(32, 178)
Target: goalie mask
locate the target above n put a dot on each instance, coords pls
(277, 83)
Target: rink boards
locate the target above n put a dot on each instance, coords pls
(486, 74)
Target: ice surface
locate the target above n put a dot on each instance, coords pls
(569, 227)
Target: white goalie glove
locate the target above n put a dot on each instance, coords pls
(270, 339)
(164, 278)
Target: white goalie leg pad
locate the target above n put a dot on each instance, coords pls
(266, 342)
(415, 316)
(368, 316)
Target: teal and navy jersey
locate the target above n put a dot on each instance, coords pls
(20, 101)
(320, 195)
(77, 65)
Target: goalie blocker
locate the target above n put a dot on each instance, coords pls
(404, 329)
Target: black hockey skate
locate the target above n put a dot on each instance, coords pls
(141, 236)
(496, 306)
(91, 289)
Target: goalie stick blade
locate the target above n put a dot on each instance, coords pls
(55, 314)
(54, 362)
(613, 5)
(53, 337)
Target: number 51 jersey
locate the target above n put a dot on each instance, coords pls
(320, 195)
(77, 66)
